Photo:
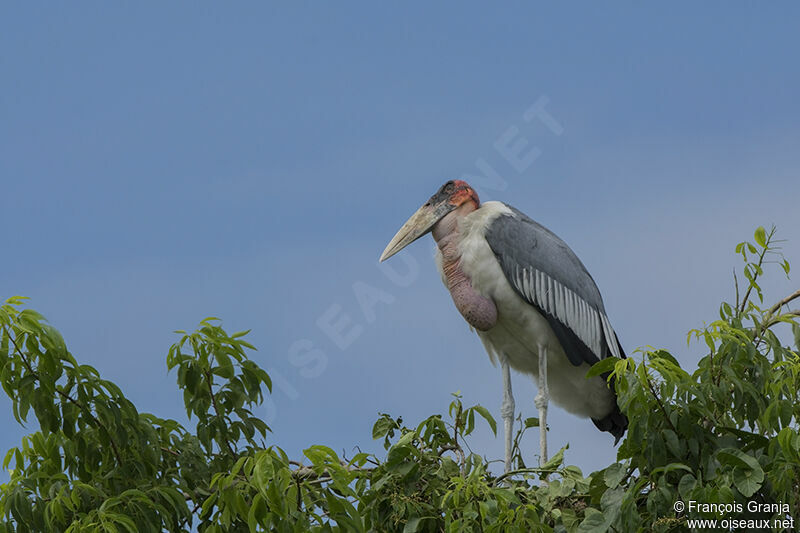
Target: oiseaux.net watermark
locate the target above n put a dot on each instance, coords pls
(775, 516)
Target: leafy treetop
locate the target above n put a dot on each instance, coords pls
(724, 432)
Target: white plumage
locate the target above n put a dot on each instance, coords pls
(521, 328)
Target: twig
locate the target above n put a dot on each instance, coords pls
(305, 472)
(299, 496)
(524, 471)
(367, 458)
(458, 450)
(209, 381)
(660, 404)
(784, 301)
(197, 505)
(772, 320)
(755, 274)
(630, 472)
(171, 452)
(309, 475)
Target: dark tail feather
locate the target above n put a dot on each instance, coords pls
(615, 423)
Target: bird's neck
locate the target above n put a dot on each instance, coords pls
(447, 234)
(478, 310)
(449, 224)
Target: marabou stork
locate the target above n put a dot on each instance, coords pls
(530, 299)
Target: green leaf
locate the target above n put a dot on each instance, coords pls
(614, 474)
(382, 426)
(611, 502)
(747, 473)
(747, 480)
(735, 457)
(412, 525)
(224, 371)
(796, 332)
(787, 438)
(594, 522)
(7, 460)
(671, 468)
(602, 366)
(753, 440)
(481, 410)
(663, 354)
(786, 412)
(556, 460)
(761, 236)
(406, 439)
(672, 442)
(321, 455)
(686, 485)
(532, 422)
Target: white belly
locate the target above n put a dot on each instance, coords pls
(521, 331)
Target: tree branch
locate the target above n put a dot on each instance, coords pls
(171, 452)
(755, 274)
(309, 475)
(458, 450)
(784, 301)
(772, 320)
(209, 381)
(660, 404)
(524, 471)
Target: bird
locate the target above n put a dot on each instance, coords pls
(530, 300)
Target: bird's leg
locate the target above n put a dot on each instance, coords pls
(541, 400)
(507, 409)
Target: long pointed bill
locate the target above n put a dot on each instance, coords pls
(415, 227)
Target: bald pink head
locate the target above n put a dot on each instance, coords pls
(456, 193)
(453, 200)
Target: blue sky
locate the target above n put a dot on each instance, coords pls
(251, 161)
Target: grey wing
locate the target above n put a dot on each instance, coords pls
(546, 273)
